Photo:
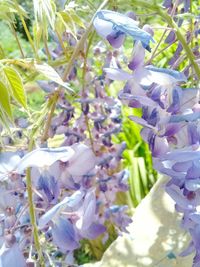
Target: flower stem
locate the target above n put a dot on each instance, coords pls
(181, 38)
(52, 104)
(163, 35)
(26, 30)
(32, 212)
(45, 40)
(17, 39)
(61, 42)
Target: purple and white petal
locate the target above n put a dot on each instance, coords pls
(64, 235)
(138, 55)
(141, 122)
(53, 213)
(94, 231)
(117, 74)
(43, 157)
(83, 161)
(87, 211)
(11, 256)
(9, 161)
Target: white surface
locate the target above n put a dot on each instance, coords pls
(154, 233)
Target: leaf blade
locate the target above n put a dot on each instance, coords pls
(15, 82)
(5, 100)
(51, 74)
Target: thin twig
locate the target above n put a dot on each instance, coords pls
(32, 211)
(17, 39)
(163, 35)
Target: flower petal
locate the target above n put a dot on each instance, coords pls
(141, 122)
(11, 257)
(187, 117)
(116, 39)
(107, 22)
(93, 231)
(70, 202)
(9, 161)
(64, 235)
(182, 155)
(82, 161)
(88, 211)
(44, 157)
(178, 76)
(137, 57)
(117, 74)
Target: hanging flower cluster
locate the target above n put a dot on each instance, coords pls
(170, 120)
(75, 186)
(74, 193)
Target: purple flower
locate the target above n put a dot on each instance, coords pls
(80, 208)
(9, 162)
(170, 120)
(48, 184)
(114, 26)
(11, 256)
(146, 76)
(42, 157)
(64, 235)
(67, 203)
(82, 162)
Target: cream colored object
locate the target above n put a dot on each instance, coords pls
(154, 233)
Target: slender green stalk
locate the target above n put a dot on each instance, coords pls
(46, 45)
(156, 48)
(83, 91)
(52, 106)
(85, 61)
(29, 36)
(33, 218)
(164, 49)
(181, 38)
(32, 212)
(17, 40)
(61, 43)
(163, 35)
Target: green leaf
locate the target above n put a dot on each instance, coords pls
(76, 19)
(37, 33)
(185, 16)
(16, 85)
(44, 11)
(4, 121)
(143, 174)
(5, 101)
(51, 74)
(67, 21)
(66, 17)
(2, 54)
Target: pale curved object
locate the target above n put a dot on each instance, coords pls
(155, 238)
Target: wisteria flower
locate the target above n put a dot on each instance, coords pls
(11, 255)
(114, 26)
